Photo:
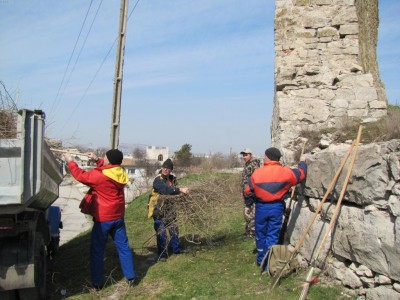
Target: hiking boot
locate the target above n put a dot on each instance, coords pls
(132, 282)
(264, 263)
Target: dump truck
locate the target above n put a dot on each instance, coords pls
(30, 176)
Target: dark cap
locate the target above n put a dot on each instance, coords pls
(273, 154)
(114, 156)
(168, 164)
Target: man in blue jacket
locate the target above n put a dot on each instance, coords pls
(268, 187)
(165, 184)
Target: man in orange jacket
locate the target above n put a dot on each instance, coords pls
(107, 182)
(268, 187)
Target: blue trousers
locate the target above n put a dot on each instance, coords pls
(268, 222)
(159, 227)
(98, 239)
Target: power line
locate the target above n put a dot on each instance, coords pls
(55, 103)
(83, 46)
(97, 72)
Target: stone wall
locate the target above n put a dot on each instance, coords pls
(325, 67)
(364, 248)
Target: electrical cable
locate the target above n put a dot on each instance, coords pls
(55, 103)
(97, 72)
(82, 47)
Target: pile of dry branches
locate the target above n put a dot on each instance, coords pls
(204, 213)
(8, 124)
(8, 119)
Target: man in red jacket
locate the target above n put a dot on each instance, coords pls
(268, 187)
(107, 183)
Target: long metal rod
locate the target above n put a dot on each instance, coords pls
(116, 107)
(288, 210)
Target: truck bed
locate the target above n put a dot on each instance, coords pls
(29, 173)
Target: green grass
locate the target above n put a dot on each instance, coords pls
(385, 129)
(224, 270)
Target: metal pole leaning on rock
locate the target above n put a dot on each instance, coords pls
(288, 210)
(309, 278)
(301, 240)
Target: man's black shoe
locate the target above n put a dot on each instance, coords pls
(183, 251)
(162, 259)
(132, 282)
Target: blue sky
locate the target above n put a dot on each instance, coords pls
(197, 72)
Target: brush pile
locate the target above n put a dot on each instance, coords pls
(203, 214)
(8, 118)
(8, 124)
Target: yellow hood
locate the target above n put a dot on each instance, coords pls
(117, 174)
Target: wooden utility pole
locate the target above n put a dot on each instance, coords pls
(119, 64)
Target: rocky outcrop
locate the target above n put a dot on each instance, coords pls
(364, 247)
(325, 67)
(326, 73)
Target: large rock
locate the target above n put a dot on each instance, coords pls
(370, 179)
(367, 230)
(382, 292)
(368, 238)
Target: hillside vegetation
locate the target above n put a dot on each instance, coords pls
(219, 265)
(385, 129)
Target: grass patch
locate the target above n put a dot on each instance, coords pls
(224, 269)
(385, 129)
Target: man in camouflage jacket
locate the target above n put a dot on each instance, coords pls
(249, 208)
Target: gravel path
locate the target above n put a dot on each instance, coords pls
(74, 222)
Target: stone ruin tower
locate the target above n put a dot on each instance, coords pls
(326, 68)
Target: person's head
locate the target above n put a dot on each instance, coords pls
(273, 154)
(113, 157)
(246, 154)
(167, 167)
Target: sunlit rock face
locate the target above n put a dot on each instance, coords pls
(325, 68)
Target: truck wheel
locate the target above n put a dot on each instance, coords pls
(9, 295)
(39, 291)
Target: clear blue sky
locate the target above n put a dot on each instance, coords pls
(197, 72)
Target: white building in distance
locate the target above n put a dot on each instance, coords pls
(157, 153)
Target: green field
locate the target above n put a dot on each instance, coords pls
(221, 266)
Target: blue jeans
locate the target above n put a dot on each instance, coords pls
(268, 222)
(159, 227)
(98, 239)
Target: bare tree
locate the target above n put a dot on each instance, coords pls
(139, 154)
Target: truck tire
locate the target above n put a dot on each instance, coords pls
(39, 292)
(9, 295)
